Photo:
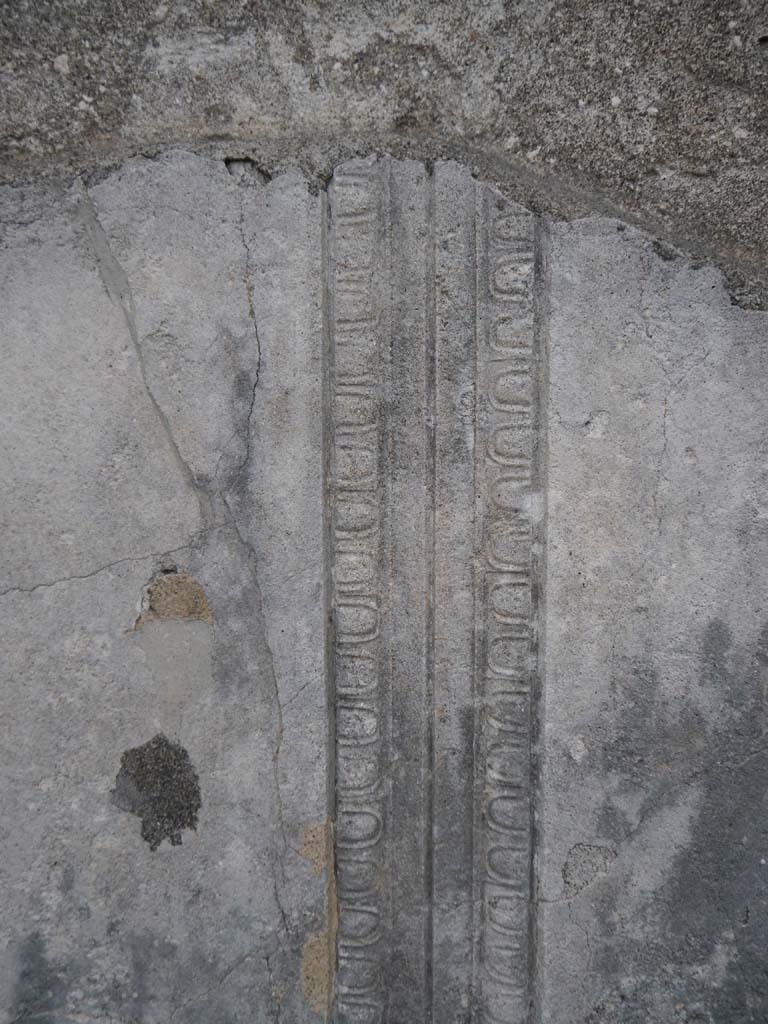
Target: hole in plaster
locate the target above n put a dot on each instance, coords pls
(171, 594)
(246, 171)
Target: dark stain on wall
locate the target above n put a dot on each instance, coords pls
(158, 783)
(40, 985)
(702, 936)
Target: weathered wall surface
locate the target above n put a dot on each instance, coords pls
(282, 467)
(137, 452)
(385, 539)
(653, 887)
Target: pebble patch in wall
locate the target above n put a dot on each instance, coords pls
(158, 783)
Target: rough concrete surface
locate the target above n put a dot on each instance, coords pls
(653, 108)
(384, 408)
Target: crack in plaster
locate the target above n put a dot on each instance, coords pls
(118, 288)
(117, 285)
(154, 555)
(249, 292)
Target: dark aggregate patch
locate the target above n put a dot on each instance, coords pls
(158, 783)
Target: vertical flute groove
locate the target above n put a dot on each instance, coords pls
(327, 372)
(431, 476)
(476, 547)
(541, 329)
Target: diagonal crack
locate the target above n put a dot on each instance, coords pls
(109, 565)
(252, 561)
(279, 855)
(274, 994)
(248, 282)
(249, 292)
(118, 288)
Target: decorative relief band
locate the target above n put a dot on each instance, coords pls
(431, 325)
(505, 423)
(356, 540)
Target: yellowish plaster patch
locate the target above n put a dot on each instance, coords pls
(318, 955)
(313, 845)
(174, 595)
(316, 972)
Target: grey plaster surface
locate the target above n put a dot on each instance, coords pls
(653, 879)
(141, 406)
(432, 531)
